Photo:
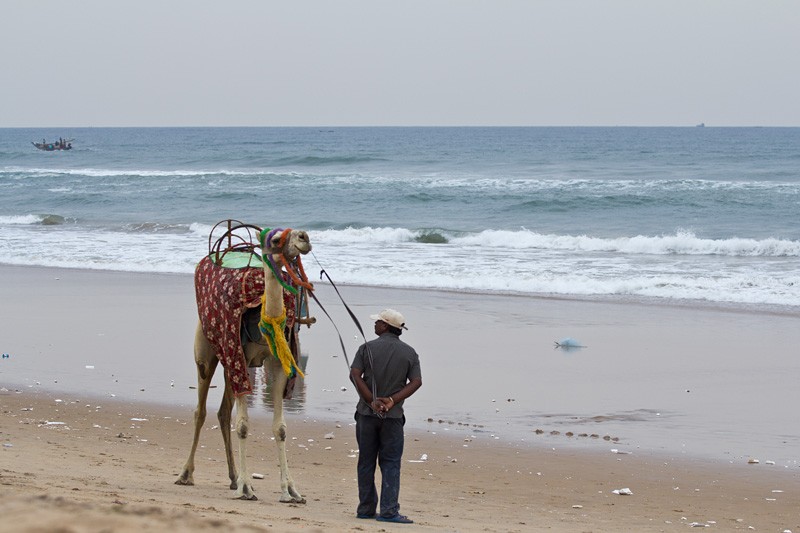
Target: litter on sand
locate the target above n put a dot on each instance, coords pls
(568, 344)
(623, 492)
(569, 341)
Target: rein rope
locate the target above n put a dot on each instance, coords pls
(341, 342)
(269, 326)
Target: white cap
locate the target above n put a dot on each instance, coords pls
(391, 317)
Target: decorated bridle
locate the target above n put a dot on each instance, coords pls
(299, 278)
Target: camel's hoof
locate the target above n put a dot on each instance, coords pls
(294, 500)
(181, 481)
(251, 498)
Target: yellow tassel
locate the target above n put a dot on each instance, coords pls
(277, 341)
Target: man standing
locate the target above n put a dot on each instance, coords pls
(393, 367)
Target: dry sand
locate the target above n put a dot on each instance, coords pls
(74, 459)
(79, 464)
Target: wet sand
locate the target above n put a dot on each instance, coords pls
(661, 379)
(689, 396)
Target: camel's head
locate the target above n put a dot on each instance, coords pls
(295, 243)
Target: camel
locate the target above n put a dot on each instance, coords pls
(280, 250)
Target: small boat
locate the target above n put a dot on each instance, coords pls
(61, 144)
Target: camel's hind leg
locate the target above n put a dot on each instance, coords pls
(289, 493)
(224, 417)
(244, 487)
(206, 362)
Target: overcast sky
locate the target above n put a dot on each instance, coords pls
(402, 63)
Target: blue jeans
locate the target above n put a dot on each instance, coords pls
(381, 440)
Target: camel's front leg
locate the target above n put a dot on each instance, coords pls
(244, 487)
(289, 493)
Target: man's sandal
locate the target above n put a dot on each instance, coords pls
(397, 519)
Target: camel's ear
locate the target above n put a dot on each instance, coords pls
(262, 236)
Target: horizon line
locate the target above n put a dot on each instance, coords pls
(698, 126)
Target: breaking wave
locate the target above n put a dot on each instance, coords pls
(681, 243)
(30, 220)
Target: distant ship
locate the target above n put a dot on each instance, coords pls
(61, 144)
(701, 125)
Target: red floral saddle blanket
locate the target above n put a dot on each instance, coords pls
(223, 295)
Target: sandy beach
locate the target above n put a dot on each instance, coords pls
(96, 411)
(79, 464)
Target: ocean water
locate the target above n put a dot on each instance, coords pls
(694, 216)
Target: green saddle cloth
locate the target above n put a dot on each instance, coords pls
(240, 260)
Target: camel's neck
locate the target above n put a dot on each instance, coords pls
(274, 292)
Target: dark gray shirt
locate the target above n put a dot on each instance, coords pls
(396, 363)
